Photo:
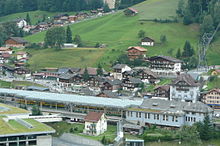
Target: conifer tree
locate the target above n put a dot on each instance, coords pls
(69, 38)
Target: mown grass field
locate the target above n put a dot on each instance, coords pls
(34, 15)
(13, 84)
(76, 57)
(160, 9)
(119, 32)
(213, 53)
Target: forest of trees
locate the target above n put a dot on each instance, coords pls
(12, 6)
(204, 12)
(15, 6)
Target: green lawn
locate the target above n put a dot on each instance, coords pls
(214, 84)
(64, 127)
(119, 32)
(4, 84)
(34, 15)
(77, 57)
(162, 9)
(12, 126)
(25, 83)
(214, 51)
(12, 110)
(110, 134)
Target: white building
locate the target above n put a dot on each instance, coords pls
(168, 113)
(184, 88)
(21, 130)
(165, 65)
(119, 69)
(21, 23)
(147, 42)
(95, 123)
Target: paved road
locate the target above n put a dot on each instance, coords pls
(74, 140)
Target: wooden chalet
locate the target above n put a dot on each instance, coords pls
(147, 76)
(162, 92)
(147, 41)
(131, 83)
(136, 52)
(16, 42)
(111, 85)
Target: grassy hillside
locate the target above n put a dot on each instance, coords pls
(214, 51)
(78, 57)
(34, 15)
(160, 9)
(119, 32)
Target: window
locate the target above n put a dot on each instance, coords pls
(139, 114)
(145, 115)
(131, 114)
(176, 119)
(136, 114)
(148, 115)
(173, 118)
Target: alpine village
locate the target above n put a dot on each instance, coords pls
(109, 73)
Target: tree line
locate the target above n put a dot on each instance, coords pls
(15, 6)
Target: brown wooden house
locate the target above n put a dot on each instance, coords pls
(162, 92)
(16, 42)
(136, 52)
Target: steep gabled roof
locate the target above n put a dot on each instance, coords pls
(168, 58)
(119, 66)
(133, 10)
(164, 87)
(18, 39)
(147, 39)
(185, 78)
(93, 116)
(149, 72)
(138, 48)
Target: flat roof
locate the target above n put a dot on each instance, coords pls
(73, 98)
(11, 110)
(14, 128)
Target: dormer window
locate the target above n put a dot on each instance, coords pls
(155, 104)
(172, 106)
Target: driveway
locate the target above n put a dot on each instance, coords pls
(74, 140)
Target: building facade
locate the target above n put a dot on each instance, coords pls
(184, 88)
(165, 65)
(212, 98)
(95, 123)
(167, 113)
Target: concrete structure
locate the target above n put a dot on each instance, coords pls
(185, 88)
(18, 129)
(95, 123)
(212, 98)
(68, 102)
(168, 113)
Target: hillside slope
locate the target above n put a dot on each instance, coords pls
(34, 15)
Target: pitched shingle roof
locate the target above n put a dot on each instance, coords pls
(168, 58)
(147, 39)
(176, 107)
(93, 116)
(138, 48)
(18, 39)
(185, 78)
(119, 66)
